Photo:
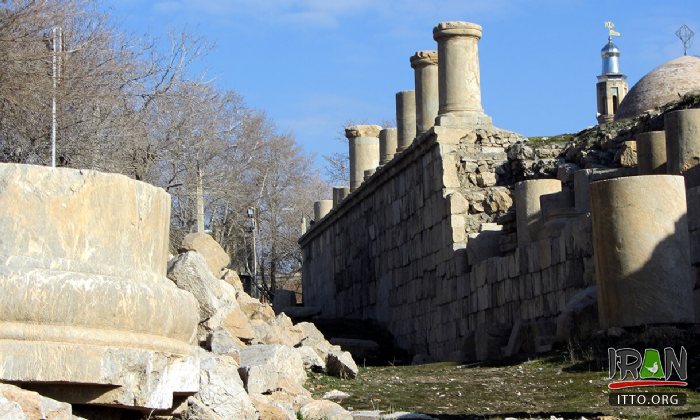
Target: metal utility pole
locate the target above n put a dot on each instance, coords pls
(199, 200)
(253, 227)
(56, 73)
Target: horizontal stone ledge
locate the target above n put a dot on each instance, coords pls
(90, 336)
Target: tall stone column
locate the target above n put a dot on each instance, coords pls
(459, 76)
(651, 153)
(682, 140)
(425, 66)
(528, 210)
(339, 194)
(405, 118)
(322, 208)
(388, 142)
(364, 151)
(641, 251)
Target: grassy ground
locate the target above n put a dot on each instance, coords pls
(541, 387)
(538, 141)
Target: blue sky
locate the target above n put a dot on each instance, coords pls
(313, 65)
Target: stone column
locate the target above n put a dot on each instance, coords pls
(369, 173)
(388, 142)
(682, 140)
(425, 65)
(528, 212)
(459, 76)
(641, 251)
(322, 208)
(339, 194)
(651, 152)
(405, 118)
(364, 151)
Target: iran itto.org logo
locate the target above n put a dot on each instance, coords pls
(654, 368)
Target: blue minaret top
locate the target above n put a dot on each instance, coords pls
(611, 58)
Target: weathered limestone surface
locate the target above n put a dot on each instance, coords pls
(388, 142)
(425, 65)
(405, 118)
(322, 208)
(212, 252)
(682, 140)
(364, 151)
(222, 391)
(323, 409)
(264, 368)
(189, 272)
(651, 153)
(20, 404)
(642, 255)
(339, 194)
(528, 207)
(459, 75)
(396, 250)
(82, 270)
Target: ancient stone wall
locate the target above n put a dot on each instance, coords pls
(413, 249)
(693, 196)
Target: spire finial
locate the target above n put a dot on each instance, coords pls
(685, 34)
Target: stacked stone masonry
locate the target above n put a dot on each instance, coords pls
(431, 245)
(397, 250)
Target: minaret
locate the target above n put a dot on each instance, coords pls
(612, 85)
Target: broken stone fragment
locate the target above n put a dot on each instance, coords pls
(17, 404)
(265, 368)
(312, 361)
(189, 272)
(323, 409)
(212, 252)
(221, 390)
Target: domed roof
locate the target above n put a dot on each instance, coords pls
(660, 86)
(609, 49)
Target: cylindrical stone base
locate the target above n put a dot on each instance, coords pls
(339, 194)
(651, 153)
(640, 242)
(82, 272)
(388, 142)
(322, 208)
(405, 118)
(528, 212)
(682, 140)
(369, 173)
(364, 151)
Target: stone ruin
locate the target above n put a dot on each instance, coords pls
(467, 242)
(98, 322)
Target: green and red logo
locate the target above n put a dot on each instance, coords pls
(650, 369)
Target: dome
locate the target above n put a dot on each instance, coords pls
(664, 84)
(609, 49)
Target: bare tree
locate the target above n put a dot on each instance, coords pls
(125, 106)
